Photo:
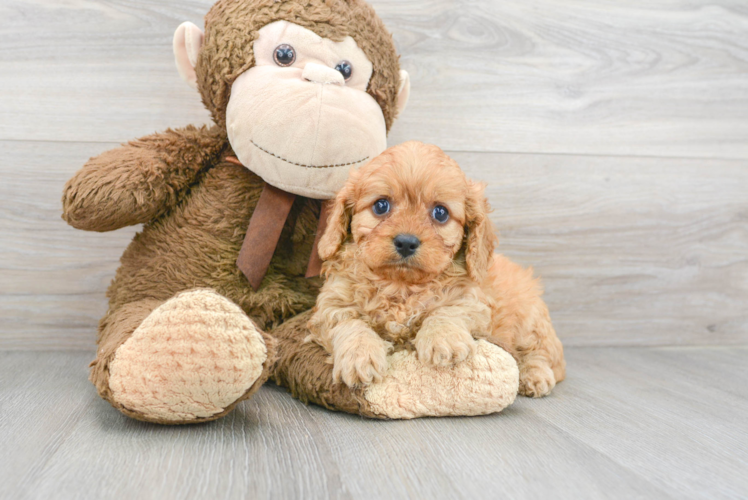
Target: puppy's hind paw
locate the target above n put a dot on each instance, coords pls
(536, 382)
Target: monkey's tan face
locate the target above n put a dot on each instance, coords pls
(301, 117)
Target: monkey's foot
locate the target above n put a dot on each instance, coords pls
(484, 383)
(191, 360)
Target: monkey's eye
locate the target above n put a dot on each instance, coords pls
(381, 206)
(345, 69)
(284, 55)
(440, 214)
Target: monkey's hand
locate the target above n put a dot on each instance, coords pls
(359, 354)
(444, 342)
(139, 181)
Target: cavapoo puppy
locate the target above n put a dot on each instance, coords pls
(410, 264)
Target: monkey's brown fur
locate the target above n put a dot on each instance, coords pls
(196, 207)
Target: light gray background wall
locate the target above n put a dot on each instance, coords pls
(613, 136)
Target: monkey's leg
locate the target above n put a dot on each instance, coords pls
(486, 383)
(305, 370)
(189, 359)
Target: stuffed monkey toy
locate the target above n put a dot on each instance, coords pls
(212, 296)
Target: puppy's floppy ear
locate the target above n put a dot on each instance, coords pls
(337, 223)
(481, 239)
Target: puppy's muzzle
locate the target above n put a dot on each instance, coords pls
(406, 244)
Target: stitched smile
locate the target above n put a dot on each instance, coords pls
(306, 166)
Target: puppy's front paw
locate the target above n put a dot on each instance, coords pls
(360, 364)
(444, 344)
(536, 381)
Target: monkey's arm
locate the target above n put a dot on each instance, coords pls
(140, 180)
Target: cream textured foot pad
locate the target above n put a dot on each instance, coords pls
(486, 383)
(191, 358)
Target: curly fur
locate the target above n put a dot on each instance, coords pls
(453, 290)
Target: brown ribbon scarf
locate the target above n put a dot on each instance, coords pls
(264, 231)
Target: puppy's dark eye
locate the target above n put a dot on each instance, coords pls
(345, 69)
(440, 214)
(381, 206)
(284, 55)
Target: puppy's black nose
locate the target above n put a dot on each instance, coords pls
(406, 244)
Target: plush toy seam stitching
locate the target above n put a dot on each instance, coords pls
(306, 166)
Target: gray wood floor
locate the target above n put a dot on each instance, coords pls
(628, 423)
(614, 139)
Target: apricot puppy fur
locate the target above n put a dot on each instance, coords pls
(410, 263)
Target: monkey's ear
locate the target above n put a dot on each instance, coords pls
(188, 39)
(403, 91)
